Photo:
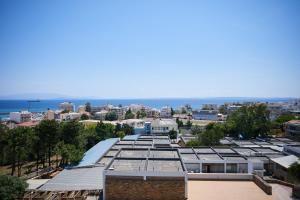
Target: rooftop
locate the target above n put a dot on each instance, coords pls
(96, 152)
(286, 161)
(88, 178)
(167, 160)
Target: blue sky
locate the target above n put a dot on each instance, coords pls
(157, 48)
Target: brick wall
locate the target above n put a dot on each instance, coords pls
(135, 188)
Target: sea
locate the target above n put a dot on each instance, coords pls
(7, 106)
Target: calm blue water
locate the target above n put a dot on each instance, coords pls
(7, 106)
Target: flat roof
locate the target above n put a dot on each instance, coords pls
(220, 190)
(126, 142)
(188, 156)
(105, 160)
(144, 142)
(186, 150)
(209, 157)
(128, 165)
(224, 150)
(112, 152)
(244, 151)
(131, 137)
(150, 160)
(233, 158)
(164, 165)
(203, 150)
(134, 153)
(264, 150)
(163, 154)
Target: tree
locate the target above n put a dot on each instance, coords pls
(70, 153)
(212, 135)
(249, 122)
(189, 124)
(88, 107)
(172, 111)
(223, 109)
(111, 116)
(129, 114)
(278, 123)
(118, 127)
(173, 134)
(141, 114)
(120, 134)
(195, 130)
(11, 187)
(179, 122)
(48, 136)
(4, 148)
(193, 143)
(20, 142)
(128, 130)
(285, 118)
(89, 136)
(294, 173)
(105, 131)
(84, 117)
(70, 131)
(65, 111)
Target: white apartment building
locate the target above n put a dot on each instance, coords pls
(163, 126)
(68, 106)
(135, 123)
(70, 116)
(166, 112)
(101, 114)
(20, 117)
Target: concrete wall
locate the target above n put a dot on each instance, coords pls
(136, 188)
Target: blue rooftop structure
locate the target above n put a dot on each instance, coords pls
(131, 137)
(96, 152)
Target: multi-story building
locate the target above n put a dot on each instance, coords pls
(50, 115)
(186, 109)
(20, 117)
(275, 109)
(119, 111)
(101, 114)
(166, 112)
(152, 113)
(136, 107)
(137, 124)
(206, 115)
(163, 126)
(292, 128)
(81, 109)
(209, 107)
(232, 108)
(67, 106)
(70, 116)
